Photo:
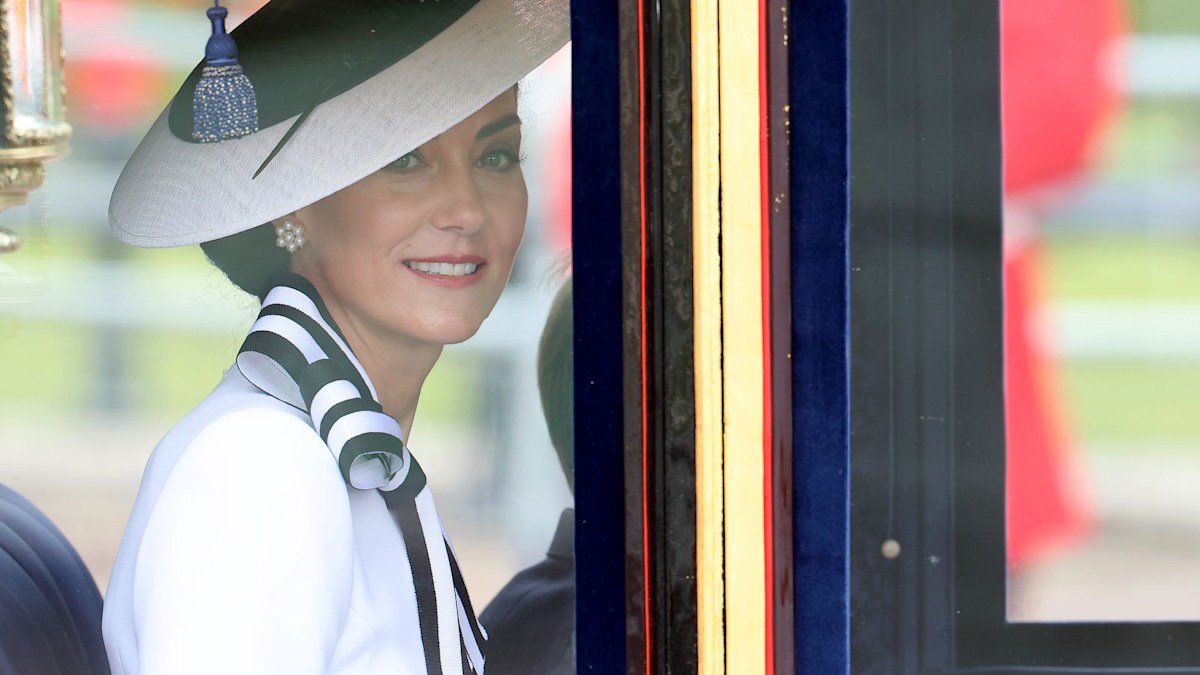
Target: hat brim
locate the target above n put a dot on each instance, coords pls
(175, 193)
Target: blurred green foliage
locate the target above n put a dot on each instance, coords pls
(1164, 16)
(1150, 137)
(70, 367)
(1119, 403)
(1123, 267)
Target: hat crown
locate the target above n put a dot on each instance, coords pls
(221, 49)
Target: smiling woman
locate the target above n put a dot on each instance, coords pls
(412, 229)
(377, 215)
(390, 254)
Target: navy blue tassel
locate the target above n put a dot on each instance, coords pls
(224, 102)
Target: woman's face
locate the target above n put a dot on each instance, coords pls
(421, 249)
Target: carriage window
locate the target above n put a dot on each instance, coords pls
(103, 346)
(1023, 423)
(1102, 309)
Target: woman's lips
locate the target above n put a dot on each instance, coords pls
(447, 271)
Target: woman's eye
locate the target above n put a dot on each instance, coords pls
(499, 160)
(408, 161)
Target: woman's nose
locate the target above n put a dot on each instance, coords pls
(459, 204)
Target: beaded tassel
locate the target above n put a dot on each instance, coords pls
(224, 102)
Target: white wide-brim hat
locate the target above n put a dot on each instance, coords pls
(175, 192)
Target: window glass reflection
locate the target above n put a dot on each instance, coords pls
(1102, 303)
(95, 367)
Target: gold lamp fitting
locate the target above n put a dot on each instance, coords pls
(31, 100)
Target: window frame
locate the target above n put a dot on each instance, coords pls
(599, 378)
(927, 423)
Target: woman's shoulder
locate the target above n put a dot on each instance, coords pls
(257, 440)
(235, 396)
(244, 468)
(254, 460)
(238, 432)
(241, 505)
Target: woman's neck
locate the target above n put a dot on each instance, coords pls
(396, 365)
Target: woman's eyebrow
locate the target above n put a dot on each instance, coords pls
(497, 126)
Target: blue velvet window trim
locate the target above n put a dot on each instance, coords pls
(596, 223)
(819, 73)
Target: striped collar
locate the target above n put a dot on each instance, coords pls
(295, 353)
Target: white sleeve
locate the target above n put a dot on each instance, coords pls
(247, 560)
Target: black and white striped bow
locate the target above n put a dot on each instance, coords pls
(295, 353)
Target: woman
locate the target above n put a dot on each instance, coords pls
(372, 197)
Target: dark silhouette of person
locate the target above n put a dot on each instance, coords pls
(49, 605)
(531, 621)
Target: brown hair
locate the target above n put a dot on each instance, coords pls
(250, 259)
(556, 379)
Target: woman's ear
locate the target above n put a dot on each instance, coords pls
(302, 216)
(292, 218)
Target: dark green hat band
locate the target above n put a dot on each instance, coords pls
(300, 53)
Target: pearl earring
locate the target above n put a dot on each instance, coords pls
(290, 236)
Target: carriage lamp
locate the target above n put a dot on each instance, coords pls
(32, 114)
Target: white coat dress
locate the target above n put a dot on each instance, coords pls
(247, 552)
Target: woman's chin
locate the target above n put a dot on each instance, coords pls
(450, 333)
